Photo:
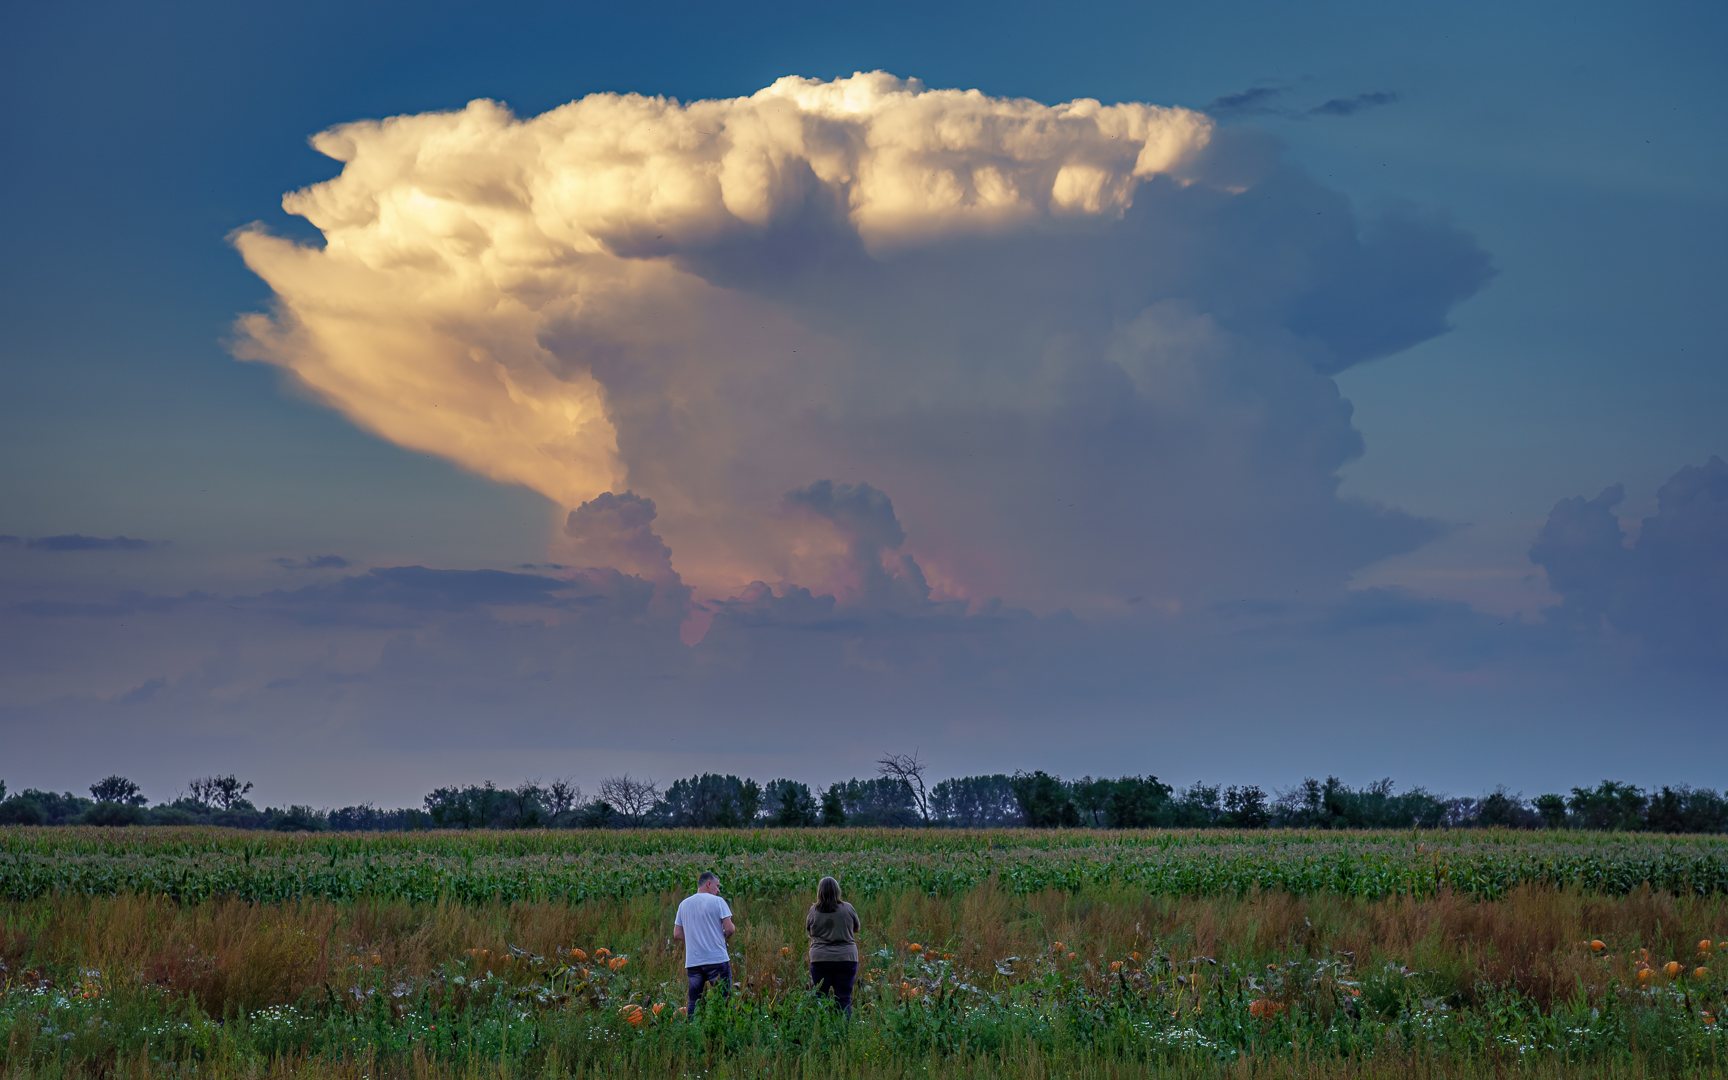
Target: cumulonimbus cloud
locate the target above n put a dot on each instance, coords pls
(1085, 348)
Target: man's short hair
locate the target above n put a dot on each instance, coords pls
(707, 876)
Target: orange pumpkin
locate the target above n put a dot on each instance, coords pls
(914, 947)
(578, 955)
(601, 954)
(1597, 946)
(1672, 967)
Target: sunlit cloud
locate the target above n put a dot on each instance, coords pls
(1085, 349)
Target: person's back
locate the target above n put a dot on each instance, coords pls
(831, 933)
(703, 924)
(701, 915)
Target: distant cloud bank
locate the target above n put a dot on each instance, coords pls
(1669, 588)
(78, 542)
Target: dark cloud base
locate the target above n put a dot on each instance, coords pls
(592, 661)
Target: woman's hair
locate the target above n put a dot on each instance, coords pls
(827, 895)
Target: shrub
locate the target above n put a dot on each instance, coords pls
(116, 813)
(22, 810)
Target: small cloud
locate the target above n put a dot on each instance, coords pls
(365, 599)
(312, 562)
(1352, 105)
(77, 542)
(1255, 99)
(542, 566)
(143, 692)
(1263, 101)
(11, 541)
(127, 603)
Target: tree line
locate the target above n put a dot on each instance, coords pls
(898, 796)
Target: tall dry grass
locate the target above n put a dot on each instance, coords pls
(230, 955)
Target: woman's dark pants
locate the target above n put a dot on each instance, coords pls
(835, 977)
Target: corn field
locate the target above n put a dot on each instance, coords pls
(191, 865)
(1008, 954)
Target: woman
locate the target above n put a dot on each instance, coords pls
(831, 925)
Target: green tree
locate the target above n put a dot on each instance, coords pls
(598, 815)
(64, 808)
(789, 804)
(975, 802)
(1610, 805)
(833, 807)
(749, 801)
(299, 819)
(1138, 802)
(117, 789)
(477, 806)
(1245, 808)
(710, 801)
(1686, 809)
(1045, 801)
(1552, 808)
(220, 792)
(22, 810)
(1092, 798)
(882, 802)
(1504, 810)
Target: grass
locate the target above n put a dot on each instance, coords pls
(1256, 983)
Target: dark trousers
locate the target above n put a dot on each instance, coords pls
(835, 977)
(701, 976)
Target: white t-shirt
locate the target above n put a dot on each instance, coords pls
(704, 941)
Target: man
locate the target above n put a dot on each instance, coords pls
(704, 925)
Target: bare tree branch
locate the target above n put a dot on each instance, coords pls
(632, 798)
(563, 796)
(223, 791)
(909, 770)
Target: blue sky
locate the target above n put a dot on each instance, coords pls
(1574, 148)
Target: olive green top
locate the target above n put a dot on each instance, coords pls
(831, 933)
